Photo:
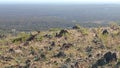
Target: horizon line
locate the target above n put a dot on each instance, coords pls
(62, 3)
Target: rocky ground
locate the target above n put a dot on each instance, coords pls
(62, 48)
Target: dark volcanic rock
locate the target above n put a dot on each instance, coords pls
(68, 60)
(107, 58)
(77, 65)
(76, 27)
(31, 38)
(114, 55)
(105, 32)
(66, 45)
(61, 33)
(101, 62)
(97, 40)
(60, 54)
(11, 50)
(6, 58)
(48, 36)
(110, 57)
(52, 43)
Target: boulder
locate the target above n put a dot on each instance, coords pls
(101, 62)
(105, 32)
(110, 57)
(107, 58)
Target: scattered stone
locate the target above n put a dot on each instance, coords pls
(48, 36)
(76, 27)
(61, 33)
(43, 56)
(66, 46)
(98, 55)
(101, 46)
(60, 54)
(6, 58)
(32, 52)
(31, 38)
(77, 65)
(90, 56)
(96, 40)
(11, 50)
(72, 66)
(88, 49)
(105, 32)
(25, 43)
(114, 55)
(110, 57)
(107, 58)
(52, 43)
(68, 60)
(27, 63)
(101, 62)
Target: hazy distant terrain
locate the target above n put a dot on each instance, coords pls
(34, 17)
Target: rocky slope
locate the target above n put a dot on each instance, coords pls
(62, 48)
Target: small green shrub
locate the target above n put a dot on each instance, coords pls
(39, 38)
(84, 31)
(21, 37)
(54, 29)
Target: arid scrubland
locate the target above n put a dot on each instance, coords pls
(78, 47)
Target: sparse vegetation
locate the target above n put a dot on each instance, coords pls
(63, 48)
